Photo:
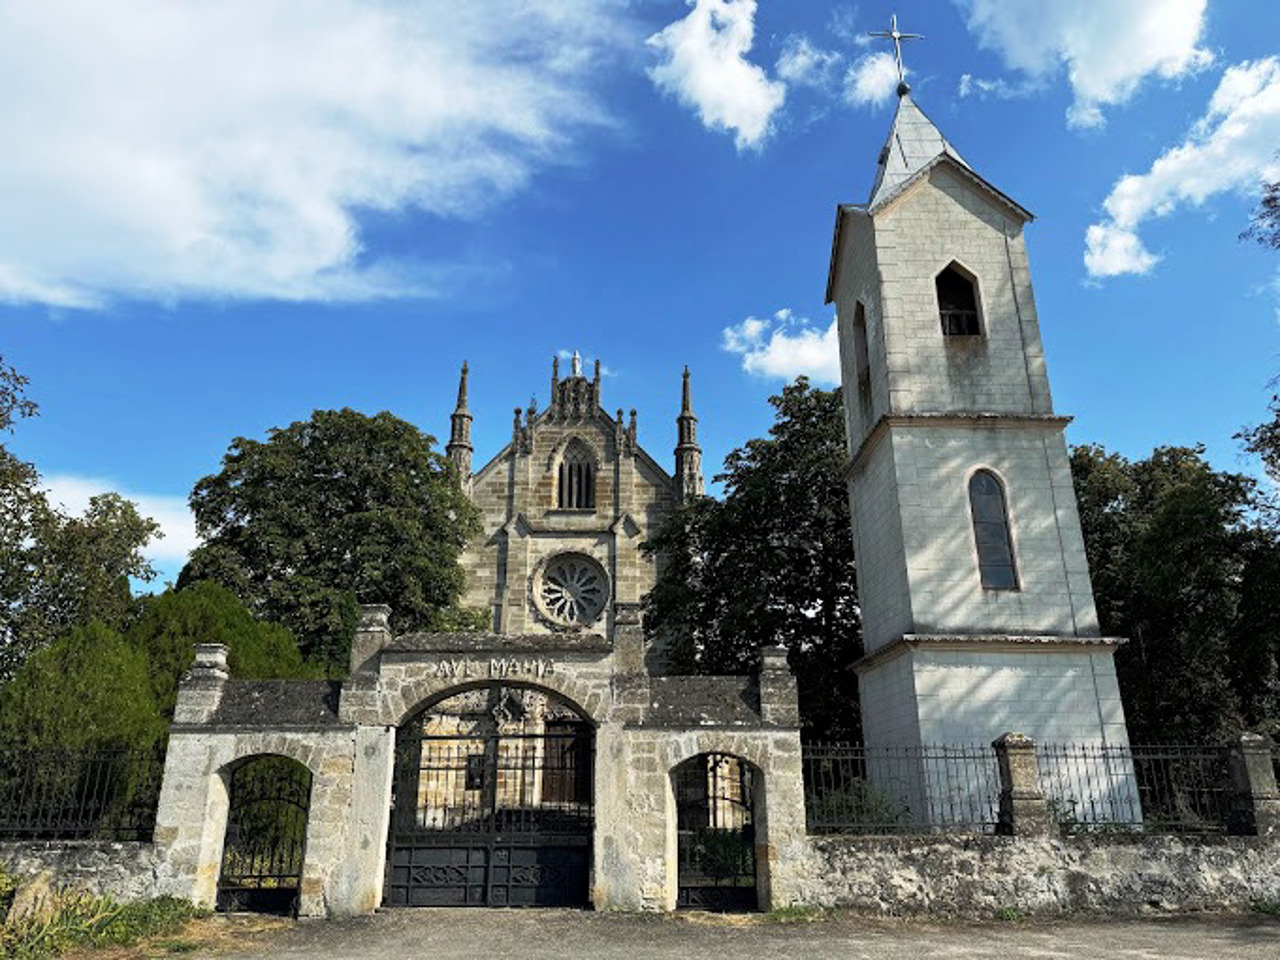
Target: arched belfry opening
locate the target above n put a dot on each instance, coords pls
(493, 801)
(957, 292)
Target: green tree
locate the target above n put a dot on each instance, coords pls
(1179, 568)
(770, 563)
(172, 624)
(328, 512)
(58, 571)
(87, 690)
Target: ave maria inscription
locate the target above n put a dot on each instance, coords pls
(496, 668)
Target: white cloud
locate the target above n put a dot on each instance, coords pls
(872, 79)
(1112, 250)
(177, 525)
(1232, 147)
(995, 88)
(805, 64)
(1108, 49)
(166, 151)
(704, 65)
(843, 25)
(785, 346)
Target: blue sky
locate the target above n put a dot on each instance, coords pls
(219, 217)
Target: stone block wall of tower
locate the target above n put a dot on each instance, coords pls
(977, 610)
(940, 220)
(913, 530)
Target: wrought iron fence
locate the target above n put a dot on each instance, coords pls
(870, 790)
(1092, 788)
(79, 796)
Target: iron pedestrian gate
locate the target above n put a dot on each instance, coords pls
(715, 833)
(263, 851)
(493, 803)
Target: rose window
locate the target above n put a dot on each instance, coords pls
(572, 590)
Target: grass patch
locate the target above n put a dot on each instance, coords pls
(8, 887)
(1010, 915)
(80, 920)
(1269, 908)
(796, 915)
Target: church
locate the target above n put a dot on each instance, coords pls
(566, 506)
(549, 760)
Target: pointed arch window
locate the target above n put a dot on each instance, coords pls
(576, 487)
(958, 302)
(996, 565)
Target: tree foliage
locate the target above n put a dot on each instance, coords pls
(96, 688)
(1264, 225)
(327, 512)
(59, 571)
(1181, 570)
(1263, 441)
(89, 689)
(172, 623)
(770, 563)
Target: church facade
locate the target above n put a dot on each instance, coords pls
(566, 506)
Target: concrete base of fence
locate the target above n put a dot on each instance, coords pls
(123, 871)
(974, 876)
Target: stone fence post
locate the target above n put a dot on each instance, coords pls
(201, 689)
(1256, 811)
(1023, 810)
(779, 702)
(373, 632)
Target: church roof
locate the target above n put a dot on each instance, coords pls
(913, 142)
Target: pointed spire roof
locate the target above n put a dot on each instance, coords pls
(462, 390)
(686, 404)
(914, 142)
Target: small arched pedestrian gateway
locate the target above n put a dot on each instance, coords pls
(265, 843)
(716, 833)
(492, 801)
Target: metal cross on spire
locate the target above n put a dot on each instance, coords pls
(897, 36)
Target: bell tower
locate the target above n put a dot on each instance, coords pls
(978, 613)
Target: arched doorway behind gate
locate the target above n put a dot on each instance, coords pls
(715, 833)
(492, 802)
(265, 844)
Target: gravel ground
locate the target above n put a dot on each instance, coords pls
(447, 934)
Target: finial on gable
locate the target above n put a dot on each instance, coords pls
(577, 364)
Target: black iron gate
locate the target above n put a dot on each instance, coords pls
(493, 803)
(715, 833)
(266, 836)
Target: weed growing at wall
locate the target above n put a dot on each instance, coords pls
(79, 920)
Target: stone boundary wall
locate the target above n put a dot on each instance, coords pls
(974, 876)
(123, 871)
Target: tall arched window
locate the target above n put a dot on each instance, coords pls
(862, 362)
(991, 532)
(957, 302)
(577, 482)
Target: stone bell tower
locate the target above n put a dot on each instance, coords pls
(978, 613)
